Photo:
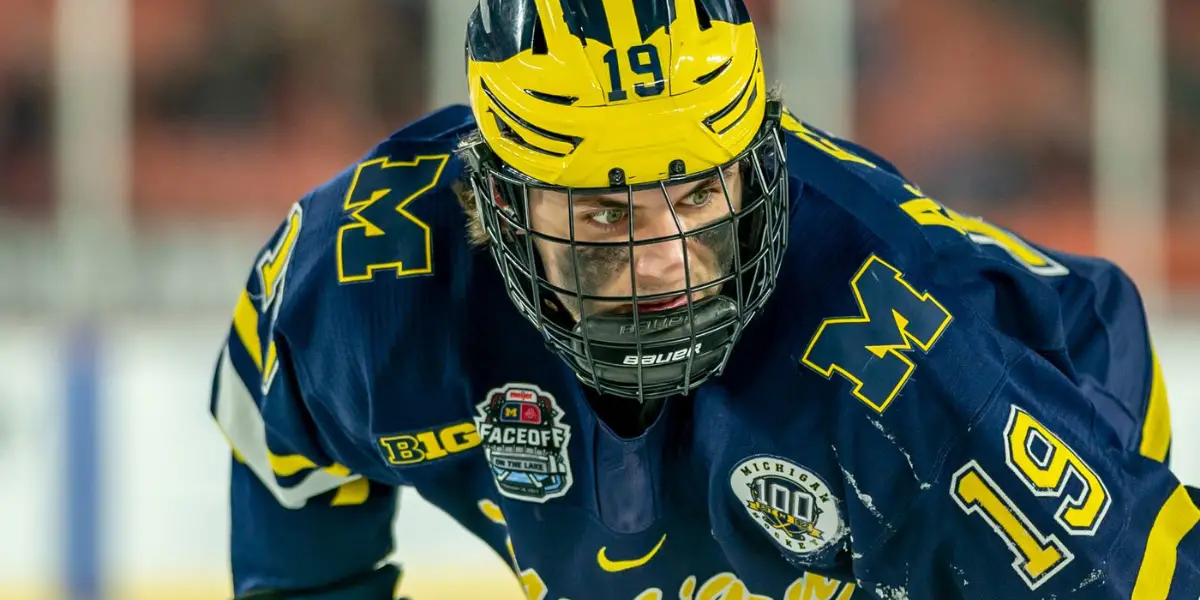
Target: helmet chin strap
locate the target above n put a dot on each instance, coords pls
(666, 344)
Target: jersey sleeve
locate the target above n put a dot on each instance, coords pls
(299, 519)
(1040, 498)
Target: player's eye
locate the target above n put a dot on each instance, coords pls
(608, 217)
(700, 198)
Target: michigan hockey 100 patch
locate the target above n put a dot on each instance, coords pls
(525, 442)
(791, 503)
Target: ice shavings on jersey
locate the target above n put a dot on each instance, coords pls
(961, 573)
(891, 593)
(1092, 577)
(865, 499)
(891, 438)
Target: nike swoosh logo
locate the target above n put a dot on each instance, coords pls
(616, 566)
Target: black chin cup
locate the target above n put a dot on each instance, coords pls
(666, 345)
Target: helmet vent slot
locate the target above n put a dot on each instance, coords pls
(703, 16)
(573, 140)
(711, 75)
(538, 45)
(553, 98)
(510, 134)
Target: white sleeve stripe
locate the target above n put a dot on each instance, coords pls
(238, 416)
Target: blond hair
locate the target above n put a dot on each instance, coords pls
(477, 236)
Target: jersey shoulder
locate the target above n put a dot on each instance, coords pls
(885, 275)
(866, 197)
(917, 318)
(378, 215)
(360, 289)
(891, 330)
(875, 245)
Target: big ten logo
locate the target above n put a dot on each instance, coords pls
(424, 446)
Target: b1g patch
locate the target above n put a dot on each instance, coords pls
(791, 503)
(525, 442)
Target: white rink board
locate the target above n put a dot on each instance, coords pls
(164, 465)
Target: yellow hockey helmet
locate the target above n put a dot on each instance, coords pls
(576, 92)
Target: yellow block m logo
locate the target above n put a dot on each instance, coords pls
(871, 349)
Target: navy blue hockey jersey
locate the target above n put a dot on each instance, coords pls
(929, 407)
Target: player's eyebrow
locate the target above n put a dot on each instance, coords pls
(593, 201)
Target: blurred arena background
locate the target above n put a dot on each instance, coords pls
(147, 147)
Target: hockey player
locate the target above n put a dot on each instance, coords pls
(738, 358)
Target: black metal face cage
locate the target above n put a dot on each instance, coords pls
(760, 229)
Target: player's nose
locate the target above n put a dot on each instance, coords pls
(660, 265)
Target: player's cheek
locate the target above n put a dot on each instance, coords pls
(604, 271)
(710, 253)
